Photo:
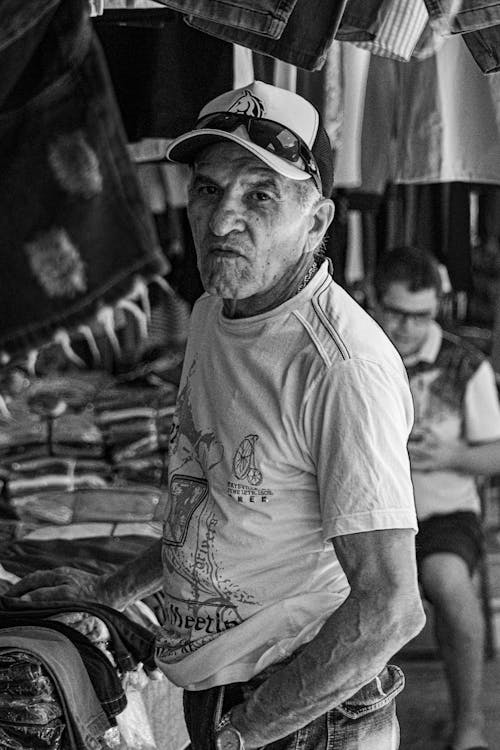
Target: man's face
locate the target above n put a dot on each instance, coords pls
(249, 225)
(406, 316)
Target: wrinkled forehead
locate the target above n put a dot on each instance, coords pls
(225, 154)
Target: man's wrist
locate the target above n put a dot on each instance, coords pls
(227, 737)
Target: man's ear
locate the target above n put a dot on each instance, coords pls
(322, 215)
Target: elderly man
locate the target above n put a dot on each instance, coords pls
(287, 555)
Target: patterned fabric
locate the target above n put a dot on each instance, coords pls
(456, 401)
(399, 29)
(82, 447)
(30, 712)
(76, 234)
(456, 363)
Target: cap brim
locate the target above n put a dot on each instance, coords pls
(184, 149)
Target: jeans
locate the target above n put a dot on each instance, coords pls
(367, 721)
(460, 16)
(103, 675)
(266, 17)
(85, 720)
(304, 42)
(76, 232)
(483, 45)
(130, 641)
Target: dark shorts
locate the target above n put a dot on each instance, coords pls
(457, 533)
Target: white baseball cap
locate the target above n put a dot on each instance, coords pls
(276, 125)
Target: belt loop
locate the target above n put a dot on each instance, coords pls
(218, 706)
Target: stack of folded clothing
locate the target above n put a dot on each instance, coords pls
(86, 447)
(30, 712)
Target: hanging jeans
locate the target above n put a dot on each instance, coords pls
(266, 17)
(304, 42)
(76, 233)
(460, 16)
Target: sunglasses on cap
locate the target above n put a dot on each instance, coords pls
(269, 135)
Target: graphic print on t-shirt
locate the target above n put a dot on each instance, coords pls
(437, 404)
(201, 600)
(244, 466)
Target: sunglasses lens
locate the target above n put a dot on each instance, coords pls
(275, 138)
(267, 134)
(264, 133)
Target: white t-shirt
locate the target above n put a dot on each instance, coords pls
(456, 401)
(290, 429)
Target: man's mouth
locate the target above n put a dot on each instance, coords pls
(221, 251)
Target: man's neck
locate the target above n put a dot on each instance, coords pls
(287, 287)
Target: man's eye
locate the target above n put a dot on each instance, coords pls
(203, 189)
(207, 189)
(261, 196)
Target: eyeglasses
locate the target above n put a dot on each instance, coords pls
(399, 316)
(269, 135)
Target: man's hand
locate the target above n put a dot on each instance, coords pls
(432, 454)
(134, 580)
(59, 585)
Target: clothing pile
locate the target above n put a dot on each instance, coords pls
(82, 447)
(62, 689)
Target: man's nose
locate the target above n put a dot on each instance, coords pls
(226, 217)
(406, 323)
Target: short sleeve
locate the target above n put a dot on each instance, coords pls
(482, 408)
(359, 417)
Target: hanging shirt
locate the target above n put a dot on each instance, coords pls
(431, 120)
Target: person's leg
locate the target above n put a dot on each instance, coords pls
(447, 584)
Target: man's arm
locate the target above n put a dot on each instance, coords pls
(434, 455)
(132, 581)
(382, 612)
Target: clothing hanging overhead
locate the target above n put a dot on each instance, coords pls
(299, 32)
(426, 121)
(174, 70)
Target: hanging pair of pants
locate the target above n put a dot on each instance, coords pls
(76, 233)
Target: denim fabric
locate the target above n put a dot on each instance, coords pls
(30, 711)
(459, 16)
(367, 721)
(75, 230)
(265, 17)
(22, 27)
(131, 642)
(102, 673)
(484, 46)
(304, 42)
(85, 720)
(359, 21)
